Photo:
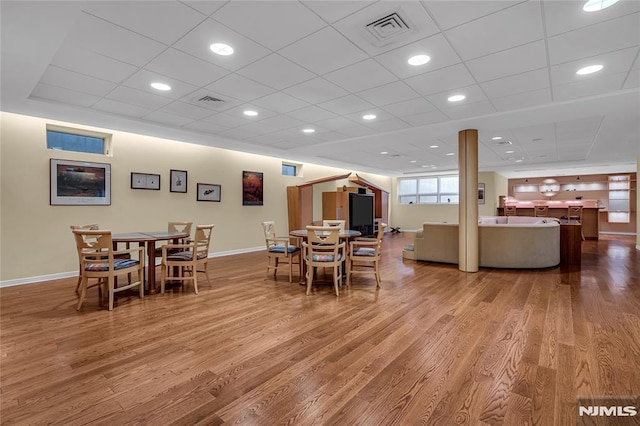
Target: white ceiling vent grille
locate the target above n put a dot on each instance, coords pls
(208, 98)
(388, 28)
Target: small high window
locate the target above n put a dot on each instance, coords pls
(289, 169)
(77, 140)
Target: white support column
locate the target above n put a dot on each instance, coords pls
(468, 257)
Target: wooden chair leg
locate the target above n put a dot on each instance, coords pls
(309, 278)
(163, 272)
(111, 285)
(83, 292)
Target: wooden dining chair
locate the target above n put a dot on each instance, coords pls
(324, 249)
(189, 258)
(185, 227)
(280, 248)
(364, 256)
(334, 222)
(541, 211)
(98, 260)
(89, 226)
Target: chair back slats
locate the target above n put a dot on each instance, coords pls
(180, 227)
(541, 211)
(334, 222)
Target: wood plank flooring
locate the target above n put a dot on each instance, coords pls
(432, 346)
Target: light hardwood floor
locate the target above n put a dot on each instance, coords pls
(432, 346)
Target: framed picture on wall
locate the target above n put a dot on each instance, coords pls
(209, 192)
(178, 181)
(145, 181)
(252, 188)
(79, 183)
(481, 193)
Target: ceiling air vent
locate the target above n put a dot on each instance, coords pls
(209, 99)
(505, 143)
(388, 28)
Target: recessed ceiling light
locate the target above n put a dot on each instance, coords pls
(589, 70)
(418, 60)
(509, 152)
(519, 161)
(161, 86)
(451, 153)
(308, 130)
(384, 152)
(221, 49)
(368, 116)
(413, 161)
(496, 138)
(595, 5)
(424, 165)
(433, 146)
(250, 113)
(434, 167)
(456, 98)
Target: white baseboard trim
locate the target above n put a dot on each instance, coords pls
(41, 278)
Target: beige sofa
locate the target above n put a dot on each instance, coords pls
(504, 242)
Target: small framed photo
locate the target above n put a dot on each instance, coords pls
(481, 193)
(178, 181)
(79, 183)
(209, 192)
(145, 181)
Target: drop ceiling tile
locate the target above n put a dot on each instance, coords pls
(316, 91)
(184, 109)
(361, 76)
(323, 51)
(522, 100)
(166, 119)
(591, 87)
(171, 20)
(312, 114)
(425, 118)
(142, 81)
(450, 14)
(273, 24)
(354, 26)
(239, 87)
(205, 127)
(138, 97)
(436, 47)
(357, 130)
(346, 105)
(94, 34)
(226, 120)
(410, 107)
(205, 7)
(277, 72)
(595, 40)
(55, 76)
(189, 69)
(388, 94)
(388, 125)
(260, 127)
(449, 78)
(515, 26)
(564, 16)
(92, 64)
(632, 81)
(59, 94)
(280, 102)
(121, 108)
(520, 59)
(519, 83)
(282, 122)
(614, 63)
(239, 133)
(380, 114)
(197, 43)
(332, 11)
(338, 123)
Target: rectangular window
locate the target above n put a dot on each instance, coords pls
(289, 170)
(428, 190)
(77, 140)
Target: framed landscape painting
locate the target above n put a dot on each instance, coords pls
(252, 188)
(79, 183)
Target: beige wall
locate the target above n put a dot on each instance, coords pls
(35, 237)
(412, 216)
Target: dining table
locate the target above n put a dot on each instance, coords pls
(149, 240)
(345, 234)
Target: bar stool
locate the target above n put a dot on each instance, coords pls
(541, 211)
(510, 211)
